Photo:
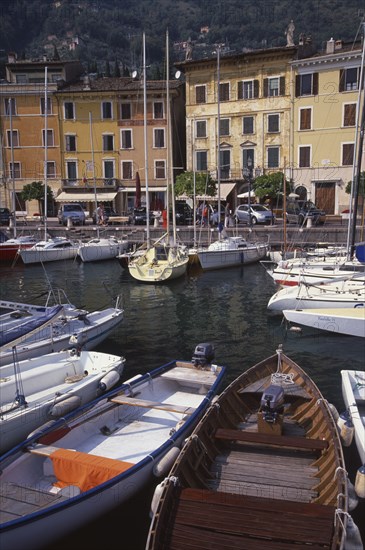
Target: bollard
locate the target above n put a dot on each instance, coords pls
(69, 222)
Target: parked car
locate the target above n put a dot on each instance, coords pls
(300, 211)
(109, 212)
(183, 213)
(74, 211)
(5, 216)
(259, 214)
(139, 216)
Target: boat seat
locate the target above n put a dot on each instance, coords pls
(269, 439)
(124, 400)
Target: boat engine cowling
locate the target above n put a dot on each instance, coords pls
(203, 355)
(272, 402)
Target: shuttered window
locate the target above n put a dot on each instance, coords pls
(349, 114)
(305, 119)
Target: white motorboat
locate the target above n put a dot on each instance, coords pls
(350, 321)
(339, 293)
(44, 388)
(51, 250)
(102, 454)
(82, 329)
(353, 392)
(101, 248)
(231, 252)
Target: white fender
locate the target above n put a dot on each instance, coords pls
(334, 412)
(353, 500)
(360, 482)
(156, 497)
(67, 405)
(109, 380)
(344, 416)
(40, 431)
(347, 433)
(163, 466)
(353, 537)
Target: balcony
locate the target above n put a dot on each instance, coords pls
(87, 184)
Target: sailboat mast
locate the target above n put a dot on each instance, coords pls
(93, 167)
(145, 140)
(219, 137)
(169, 167)
(45, 150)
(13, 201)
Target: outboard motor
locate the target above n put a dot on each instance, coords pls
(272, 402)
(203, 355)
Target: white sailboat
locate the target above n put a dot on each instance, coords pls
(350, 321)
(100, 247)
(164, 259)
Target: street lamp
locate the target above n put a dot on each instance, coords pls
(248, 174)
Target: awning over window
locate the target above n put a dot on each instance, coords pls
(245, 195)
(85, 197)
(225, 189)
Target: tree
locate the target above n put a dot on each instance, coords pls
(269, 186)
(204, 184)
(361, 185)
(35, 191)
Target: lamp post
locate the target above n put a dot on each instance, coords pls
(248, 174)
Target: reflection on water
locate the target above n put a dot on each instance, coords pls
(164, 322)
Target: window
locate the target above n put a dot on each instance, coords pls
(349, 79)
(306, 84)
(160, 169)
(50, 138)
(126, 139)
(248, 89)
(224, 126)
(51, 169)
(71, 170)
(70, 142)
(108, 169)
(10, 106)
(12, 134)
(274, 86)
(201, 161)
(14, 170)
(304, 157)
(200, 94)
(273, 157)
(107, 110)
(224, 91)
(225, 163)
(69, 109)
(108, 142)
(305, 118)
(158, 109)
(201, 128)
(248, 125)
(127, 169)
(159, 137)
(248, 158)
(49, 106)
(349, 114)
(273, 122)
(347, 154)
(21, 79)
(125, 111)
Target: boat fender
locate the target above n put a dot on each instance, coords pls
(347, 433)
(334, 412)
(353, 501)
(344, 416)
(156, 497)
(38, 432)
(360, 482)
(163, 466)
(65, 406)
(109, 380)
(353, 537)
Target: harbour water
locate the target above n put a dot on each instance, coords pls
(227, 308)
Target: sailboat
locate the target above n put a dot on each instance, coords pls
(164, 259)
(100, 247)
(48, 249)
(228, 250)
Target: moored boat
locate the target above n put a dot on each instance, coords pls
(346, 320)
(264, 469)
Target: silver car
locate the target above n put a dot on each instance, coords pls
(259, 214)
(75, 212)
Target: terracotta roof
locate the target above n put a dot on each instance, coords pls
(112, 84)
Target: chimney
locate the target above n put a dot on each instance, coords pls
(330, 48)
(338, 45)
(12, 57)
(86, 82)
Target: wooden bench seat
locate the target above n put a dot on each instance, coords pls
(268, 439)
(124, 400)
(207, 519)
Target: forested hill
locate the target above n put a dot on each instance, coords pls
(97, 31)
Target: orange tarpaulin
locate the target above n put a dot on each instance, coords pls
(84, 470)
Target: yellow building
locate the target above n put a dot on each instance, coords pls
(324, 99)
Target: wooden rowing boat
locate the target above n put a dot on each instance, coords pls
(263, 469)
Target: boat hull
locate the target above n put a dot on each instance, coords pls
(353, 392)
(100, 249)
(225, 257)
(34, 256)
(339, 320)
